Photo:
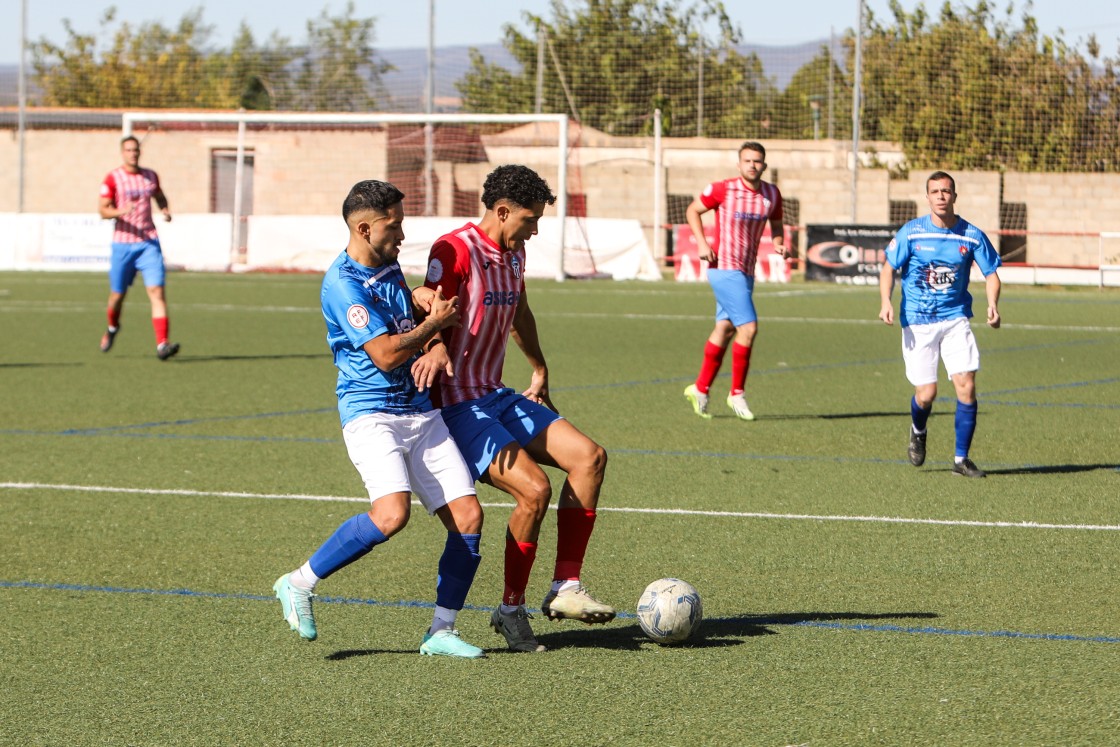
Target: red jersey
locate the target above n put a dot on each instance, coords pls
(122, 186)
(741, 217)
(489, 283)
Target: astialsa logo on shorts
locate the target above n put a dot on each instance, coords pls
(358, 316)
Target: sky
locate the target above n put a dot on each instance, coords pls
(404, 23)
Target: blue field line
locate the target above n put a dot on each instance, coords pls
(751, 621)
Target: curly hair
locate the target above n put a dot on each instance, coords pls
(371, 195)
(517, 184)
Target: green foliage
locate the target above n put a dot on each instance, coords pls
(340, 70)
(151, 66)
(610, 63)
(973, 91)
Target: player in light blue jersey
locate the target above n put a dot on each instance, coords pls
(395, 438)
(933, 256)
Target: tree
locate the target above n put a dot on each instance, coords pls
(971, 91)
(340, 68)
(610, 63)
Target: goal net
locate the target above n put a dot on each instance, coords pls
(281, 178)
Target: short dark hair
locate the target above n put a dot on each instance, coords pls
(938, 176)
(133, 138)
(752, 145)
(517, 184)
(370, 195)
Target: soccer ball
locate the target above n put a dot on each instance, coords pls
(670, 611)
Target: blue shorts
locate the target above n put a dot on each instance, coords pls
(734, 290)
(145, 256)
(482, 427)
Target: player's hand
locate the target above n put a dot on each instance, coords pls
(430, 365)
(422, 298)
(707, 255)
(538, 391)
(166, 215)
(886, 313)
(781, 250)
(993, 317)
(444, 310)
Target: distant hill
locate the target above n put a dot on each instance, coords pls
(405, 84)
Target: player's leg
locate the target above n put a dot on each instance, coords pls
(493, 455)
(372, 442)
(962, 361)
(563, 446)
(122, 271)
(741, 311)
(150, 264)
(715, 348)
(920, 346)
(444, 484)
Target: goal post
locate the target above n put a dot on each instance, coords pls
(292, 164)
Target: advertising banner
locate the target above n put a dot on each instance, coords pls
(852, 255)
(769, 267)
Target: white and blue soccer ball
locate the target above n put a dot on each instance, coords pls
(670, 611)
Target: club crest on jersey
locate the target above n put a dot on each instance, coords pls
(435, 271)
(515, 265)
(964, 251)
(358, 316)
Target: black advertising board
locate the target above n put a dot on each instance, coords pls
(852, 255)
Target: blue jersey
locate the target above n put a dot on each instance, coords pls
(935, 264)
(359, 304)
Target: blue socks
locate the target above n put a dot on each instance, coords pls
(457, 567)
(965, 424)
(354, 539)
(918, 415)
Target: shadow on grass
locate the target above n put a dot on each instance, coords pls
(1053, 469)
(720, 632)
(714, 633)
(837, 415)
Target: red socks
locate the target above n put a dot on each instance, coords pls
(519, 562)
(740, 364)
(573, 531)
(160, 325)
(114, 317)
(713, 359)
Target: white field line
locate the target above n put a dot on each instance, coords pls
(605, 509)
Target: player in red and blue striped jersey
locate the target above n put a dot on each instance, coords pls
(743, 205)
(505, 436)
(126, 196)
(934, 255)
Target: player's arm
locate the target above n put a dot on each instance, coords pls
(778, 229)
(992, 286)
(524, 333)
(107, 204)
(161, 202)
(435, 359)
(389, 351)
(692, 214)
(886, 287)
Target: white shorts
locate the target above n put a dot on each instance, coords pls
(953, 341)
(408, 454)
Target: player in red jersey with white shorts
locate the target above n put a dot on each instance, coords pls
(743, 205)
(505, 437)
(126, 196)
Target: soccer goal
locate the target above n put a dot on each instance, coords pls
(282, 176)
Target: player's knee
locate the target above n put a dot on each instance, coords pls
(468, 515)
(596, 461)
(391, 521)
(535, 495)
